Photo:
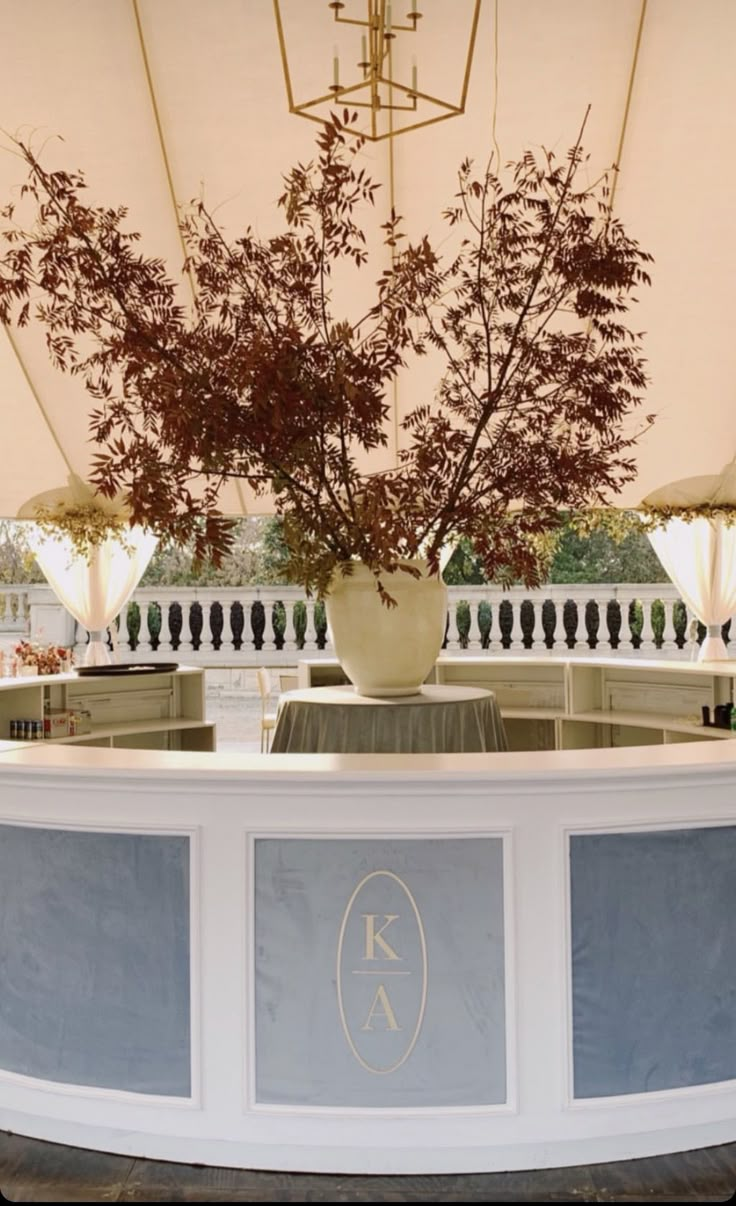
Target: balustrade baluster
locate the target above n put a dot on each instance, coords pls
(517, 634)
(205, 637)
(625, 642)
(164, 636)
(453, 635)
(185, 636)
(559, 636)
(329, 646)
(123, 633)
(537, 628)
(490, 630)
(247, 643)
(144, 635)
(226, 637)
(3, 605)
(604, 637)
(290, 637)
(310, 632)
(474, 636)
(669, 636)
(647, 632)
(582, 636)
(495, 636)
(269, 632)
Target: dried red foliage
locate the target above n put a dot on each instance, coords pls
(264, 382)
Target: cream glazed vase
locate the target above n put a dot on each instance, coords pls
(383, 650)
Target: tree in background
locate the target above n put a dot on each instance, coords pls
(464, 568)
(17, 563)
(253, 558)
(259, 556)
(596, 556)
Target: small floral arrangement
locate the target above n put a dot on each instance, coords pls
(48, 659)
(86, 525)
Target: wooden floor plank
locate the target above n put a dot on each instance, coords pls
(698, 1176)
(32, 1171)
(163, 1182)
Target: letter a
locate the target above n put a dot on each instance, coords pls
(381, 998)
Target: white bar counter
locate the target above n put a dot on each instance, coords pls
(380, 964)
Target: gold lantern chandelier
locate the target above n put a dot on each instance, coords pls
(394, 105)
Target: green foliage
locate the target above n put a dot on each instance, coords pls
(598, 557)
(274, 567)
(17, 563)
(256, 556)
(464, 568)
(609, 551)
(259, 556)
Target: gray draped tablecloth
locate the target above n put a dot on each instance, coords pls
(439, 720)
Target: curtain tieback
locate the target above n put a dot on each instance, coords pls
(714, 630)
(100, 634)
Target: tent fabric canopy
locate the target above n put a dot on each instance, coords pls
(711, 490)
(159, 101)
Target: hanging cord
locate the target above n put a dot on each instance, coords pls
(494, 113)
(627, 106)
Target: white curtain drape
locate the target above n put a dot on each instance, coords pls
(94, 590)
(700, 558)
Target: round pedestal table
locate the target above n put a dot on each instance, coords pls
(438, 720)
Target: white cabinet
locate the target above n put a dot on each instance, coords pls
(162, 711)
(583, 703)
(641, 703)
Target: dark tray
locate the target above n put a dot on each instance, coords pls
(125, 668)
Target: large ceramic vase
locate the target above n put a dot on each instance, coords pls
(387, 650)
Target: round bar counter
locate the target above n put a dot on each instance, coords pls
(370, 964)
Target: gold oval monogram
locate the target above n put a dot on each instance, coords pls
(423, 947)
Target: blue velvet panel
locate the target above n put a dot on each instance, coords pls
(94, 958)
(653, 959)
(414, 1017)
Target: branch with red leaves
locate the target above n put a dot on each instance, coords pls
(265, 381)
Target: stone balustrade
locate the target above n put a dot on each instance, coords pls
(252, 625)
(14, 609)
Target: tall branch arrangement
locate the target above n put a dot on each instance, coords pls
(264, 382)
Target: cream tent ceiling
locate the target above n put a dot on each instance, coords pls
(159, 101)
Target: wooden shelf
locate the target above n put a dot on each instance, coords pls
(175, 724)
(532, 713)
(649, 720)
(143, 711)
